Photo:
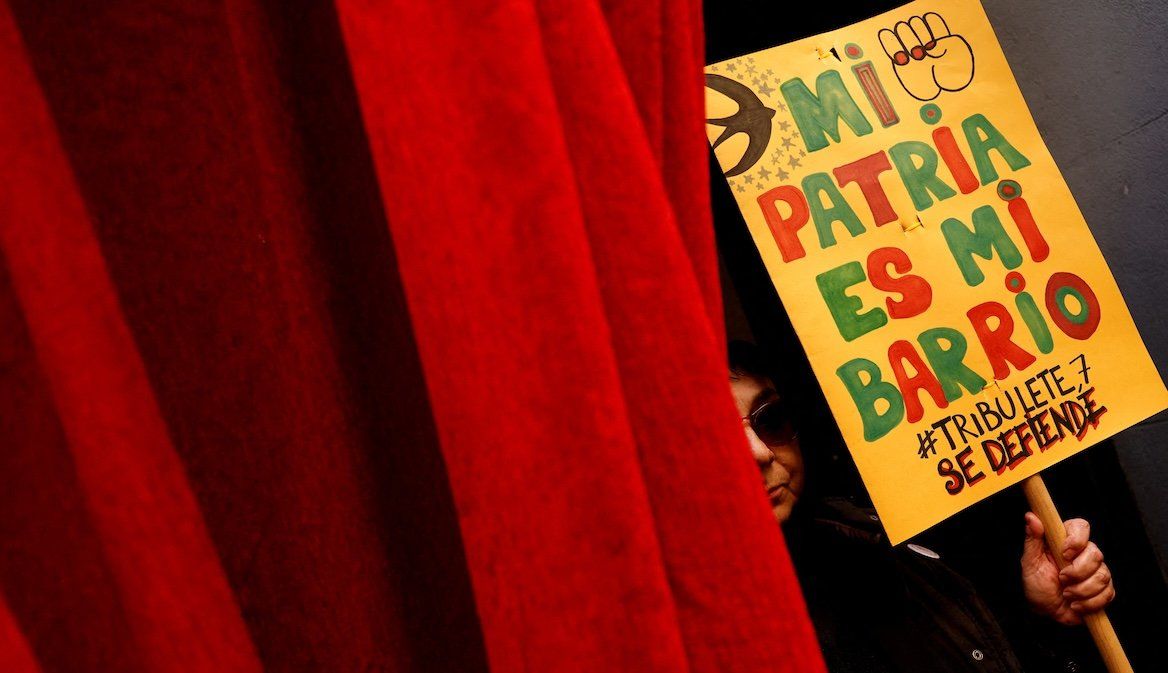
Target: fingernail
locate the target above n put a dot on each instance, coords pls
(1066, 594)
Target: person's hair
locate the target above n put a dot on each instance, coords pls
(829, 466)
(747, 359)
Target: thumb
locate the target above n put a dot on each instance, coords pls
(1034, 548)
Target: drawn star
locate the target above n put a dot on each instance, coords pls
(732, 67)
(784, 125)
(763, 173)
(765, 90)
(787, 144)
(782, 175)
(757, 83)
(782, 107)
(740, 188)
(793, 161)
(769, 72)
(748, 179)
(713, 68)
(802, 153)
(750, 70)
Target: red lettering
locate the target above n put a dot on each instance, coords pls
(901, 352)
(1035, 241)
(916, 293)
(996, 455)
(866, 173)
(785, 229)
(965, 462)
(958, 166)
(1085, 321)
(953, 480)
(999, 348)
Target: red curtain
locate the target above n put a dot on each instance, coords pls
(370, 336)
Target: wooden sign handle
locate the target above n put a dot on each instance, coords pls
(1056, 534)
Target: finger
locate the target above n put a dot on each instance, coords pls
(1034, 527)
(921, 30)
(907, 37)
(1090, 587)
(891, 43)
(1084, 565)
(1078, 535)
(1034, 546)
(1095, 603)
(937, 26)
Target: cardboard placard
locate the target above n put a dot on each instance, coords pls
(960, 317)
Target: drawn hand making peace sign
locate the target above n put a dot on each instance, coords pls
(927, 58)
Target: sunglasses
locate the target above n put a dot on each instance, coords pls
(772, 423)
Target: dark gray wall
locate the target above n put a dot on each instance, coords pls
(1093, 74)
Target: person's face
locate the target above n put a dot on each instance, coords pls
(775, 448)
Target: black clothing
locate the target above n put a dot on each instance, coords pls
(878, 608)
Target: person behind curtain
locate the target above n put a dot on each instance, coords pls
(881, 608)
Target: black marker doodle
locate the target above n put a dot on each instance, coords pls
(752, 118)
(926, 57)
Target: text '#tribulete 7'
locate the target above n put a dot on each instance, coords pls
(965, 328)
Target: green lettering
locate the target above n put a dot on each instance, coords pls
(949, 363)
(845, 308)
(866, 394)
(1034, 322)
(818, 114)
(818, 185)
(986, 237)
(982, 137)
(919, 180)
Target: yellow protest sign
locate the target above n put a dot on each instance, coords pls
(952, 301)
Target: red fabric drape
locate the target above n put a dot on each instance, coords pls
(375, 336)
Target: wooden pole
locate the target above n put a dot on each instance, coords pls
(1056, 534)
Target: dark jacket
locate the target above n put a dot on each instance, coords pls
(878, 608)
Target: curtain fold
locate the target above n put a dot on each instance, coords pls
(697, 476)
(375, 336)
(176, 600)
(15, 654)
(513, 337)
